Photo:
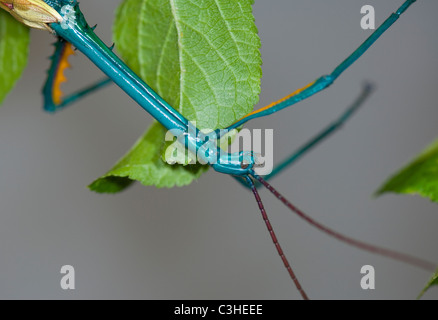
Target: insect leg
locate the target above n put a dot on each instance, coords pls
(324, 81)
(320, 137)
(53, 96)
(275, 240)
(426, 265)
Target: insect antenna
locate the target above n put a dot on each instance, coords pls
(275, 240)
(350, 241)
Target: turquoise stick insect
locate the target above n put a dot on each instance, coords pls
(52, 15)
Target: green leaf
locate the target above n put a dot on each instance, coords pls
(433, 282)
(201, 56)
(14, 47)
(419, 177)
(143, 163)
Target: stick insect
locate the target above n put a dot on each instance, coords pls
(240, 165)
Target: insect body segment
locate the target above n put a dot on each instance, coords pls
(60, 63)
(54, 99)
(82, 36)
(63, 64)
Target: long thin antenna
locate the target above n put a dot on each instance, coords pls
(275, 240)
(429, 266)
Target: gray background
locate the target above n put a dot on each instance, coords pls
(208, 240)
